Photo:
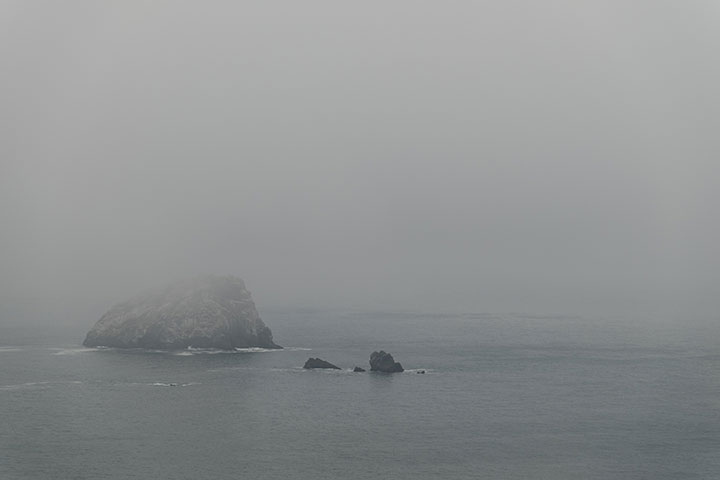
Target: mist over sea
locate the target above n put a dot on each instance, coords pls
(478, 156)
(504, 396)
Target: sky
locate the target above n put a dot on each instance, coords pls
(484, 156)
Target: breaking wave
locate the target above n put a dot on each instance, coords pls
(75, 351)
(36, 385)
(11, 349)
(214, 351)
(181, 353)
(21, 386)
(161, 384)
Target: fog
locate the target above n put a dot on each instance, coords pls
(499, 156)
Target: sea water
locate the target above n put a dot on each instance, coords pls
(503, 396)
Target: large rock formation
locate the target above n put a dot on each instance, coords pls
(384, 362)
(204, 312)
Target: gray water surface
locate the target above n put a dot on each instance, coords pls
(504, 396)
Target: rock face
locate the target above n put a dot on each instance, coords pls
(384, 362)
(204, 312)
(319, 363)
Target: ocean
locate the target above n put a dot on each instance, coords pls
(504, 397)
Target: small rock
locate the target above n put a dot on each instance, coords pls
(384, 362)
(358, 369)
(421, 371)
(319, 363)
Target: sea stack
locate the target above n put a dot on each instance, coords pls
(384, 362)
(204, 312)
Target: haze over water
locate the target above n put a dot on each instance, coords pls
(494, 156)
(350, 162)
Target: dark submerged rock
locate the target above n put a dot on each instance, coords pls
(204, 312)
(319, 363)
(384, 362)
(358, 369)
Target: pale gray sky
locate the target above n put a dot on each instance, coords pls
(556, 156)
